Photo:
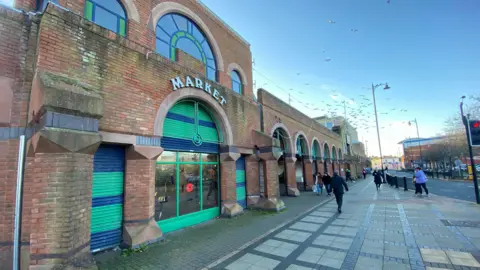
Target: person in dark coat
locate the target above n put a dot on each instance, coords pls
(337, 184)
(377, 178)
(327, 180)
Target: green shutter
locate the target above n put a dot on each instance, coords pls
(89, 10)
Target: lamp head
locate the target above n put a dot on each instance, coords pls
(386, 87)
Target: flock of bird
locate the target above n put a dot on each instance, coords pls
(359, 111)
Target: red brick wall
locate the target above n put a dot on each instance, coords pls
(294, 120)
(16, 59)
(61, 204)
(233, 49)
(133, 86)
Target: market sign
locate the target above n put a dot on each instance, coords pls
(178, 83)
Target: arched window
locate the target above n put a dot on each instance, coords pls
(107, 13)
(236, 82)
(177, 31)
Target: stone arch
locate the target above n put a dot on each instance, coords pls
(340, 154)
(332, 151)
(306, 141)
(323, 150)
(192, 93)
(168, 7)
(318, 151)
(237, 67)
(131, 10)
(282, 126)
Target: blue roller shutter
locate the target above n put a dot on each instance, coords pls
(107, 197)
(240, 180)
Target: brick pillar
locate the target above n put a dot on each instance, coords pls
(292, 189)
(308, 173)
(228, 185)
(329, 168)
(271, 201)
(139, 225)
(320, 167)
(252, 179)
(62, 198)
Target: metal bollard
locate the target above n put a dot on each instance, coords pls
(405, 184)
(396, 181)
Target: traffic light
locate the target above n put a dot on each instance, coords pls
(474, 126)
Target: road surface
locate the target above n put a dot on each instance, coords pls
(462, 190)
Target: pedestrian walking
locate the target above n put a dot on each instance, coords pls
(327, 181)
(377, 178)
(338, 183)
(318, 186)
(364, 172)
(421, 180)
(348, 175)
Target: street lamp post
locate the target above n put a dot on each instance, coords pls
(418, 138)
(386, 87)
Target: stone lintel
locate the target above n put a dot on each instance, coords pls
(135, 152)
(229, 156)
(54, 140)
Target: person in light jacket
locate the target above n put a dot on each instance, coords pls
(421, 180)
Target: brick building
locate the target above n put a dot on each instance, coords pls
(140, 119)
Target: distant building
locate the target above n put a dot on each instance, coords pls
(413, 147)
(389, 162)
(349, 133)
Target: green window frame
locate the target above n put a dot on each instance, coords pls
(201, 162)
(91, 6)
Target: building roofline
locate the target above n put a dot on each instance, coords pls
(421, 139)
(222, 21)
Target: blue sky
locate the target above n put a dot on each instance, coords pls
(427, 50)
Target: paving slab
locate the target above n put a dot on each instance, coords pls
(389, 229)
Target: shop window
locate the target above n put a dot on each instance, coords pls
(177, 31)
(107, 13)
(185, 183)
(165, 191)
(236, 82)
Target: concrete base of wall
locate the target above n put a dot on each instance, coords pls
(293, 192)
(231, 209)
(268, 204)
(137, 234)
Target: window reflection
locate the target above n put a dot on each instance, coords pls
(189, 198)
(210, 186)
(167, 156)
(188, 157)
(165, 192)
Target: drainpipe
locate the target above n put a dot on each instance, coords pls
(260, 112)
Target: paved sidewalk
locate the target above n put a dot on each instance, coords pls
(390, 229)
(196, 247)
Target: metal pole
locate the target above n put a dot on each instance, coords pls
(18, 204)
(419, 144)
(472, 161)
(378, 131)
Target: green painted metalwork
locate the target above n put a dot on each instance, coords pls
(107, 184)
(182, 221)
(105, 218)
(89, 10)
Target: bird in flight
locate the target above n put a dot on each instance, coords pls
(354, 30)
(328, 60)
(298, 74)
(331, 21)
